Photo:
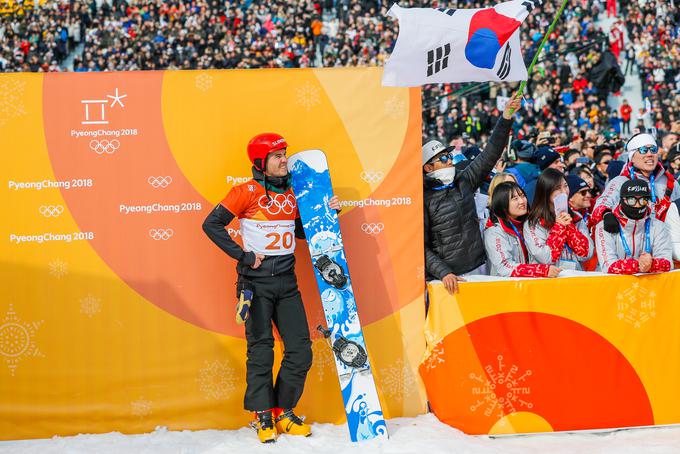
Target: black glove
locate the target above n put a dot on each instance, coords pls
(611, 224)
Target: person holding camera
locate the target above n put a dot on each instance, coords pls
(640, 243)
(643, 164)
(553, 235)
(453, 242)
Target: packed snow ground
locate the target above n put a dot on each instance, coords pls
(423, 434)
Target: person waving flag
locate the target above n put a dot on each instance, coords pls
(439, 45)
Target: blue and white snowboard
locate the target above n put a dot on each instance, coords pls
(313, 190)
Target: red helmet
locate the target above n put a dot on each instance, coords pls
(263, 144)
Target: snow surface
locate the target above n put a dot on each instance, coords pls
(423, 434)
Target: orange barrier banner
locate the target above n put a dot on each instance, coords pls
(520, 356)
(117, 312)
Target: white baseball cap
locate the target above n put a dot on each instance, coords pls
(432, 149)
(637, 141)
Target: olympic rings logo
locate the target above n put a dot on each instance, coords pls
(370, 176)
(159, 182)
(279, 203)
(51, 211)
(161, 234)
(372, 228)
(104, 146)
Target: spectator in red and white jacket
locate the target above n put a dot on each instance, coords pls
(644, 164)
(503, 239)
(552, 236)
(642, 243)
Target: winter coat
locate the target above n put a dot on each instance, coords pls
(564, 247)
(506, 253)
(665, 188)
(453, 242)
(612, 254)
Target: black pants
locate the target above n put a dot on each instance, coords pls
(277, 299)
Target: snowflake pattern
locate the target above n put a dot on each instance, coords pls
(397, 380)
(435, 358)
(204, 82)
(394, 107)
(307, 96)
(17, 339)
(11, 100)
(216, 380)
(90, 305)
(324, 361)
(141, 408)
(58, 268)
(501, 391)
(636, 305)
(420, 272)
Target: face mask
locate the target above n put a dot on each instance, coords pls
(634, 213)
(444, 175)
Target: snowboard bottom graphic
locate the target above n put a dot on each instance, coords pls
(313, 190)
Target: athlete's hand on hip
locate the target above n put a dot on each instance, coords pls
(334, 203)
(258, 261)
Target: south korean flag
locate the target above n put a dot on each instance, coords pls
(458, 45)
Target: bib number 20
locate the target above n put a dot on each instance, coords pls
(279, 241)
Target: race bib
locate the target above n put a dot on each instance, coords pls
(268, 237)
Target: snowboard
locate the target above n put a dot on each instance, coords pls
(312, 187)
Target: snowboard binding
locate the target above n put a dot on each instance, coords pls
(331, 272)
(348, 352)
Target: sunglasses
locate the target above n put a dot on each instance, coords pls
(605, 162)
(584, 192)
(632, 201)
(653, 149)
(455, 159)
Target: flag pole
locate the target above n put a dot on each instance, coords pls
(540, 47)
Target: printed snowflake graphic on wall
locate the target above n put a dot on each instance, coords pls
(636, 305)
(58, 268)
(17, 339)
(323, 360)
(141, 408)
(307, 96)
(204, 82)
(90, 305)
(394, 107)
(216, 380)
(11, 100)
(397, 380)
(502, 390)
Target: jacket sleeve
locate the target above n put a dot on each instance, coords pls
(673, 224)
(474, 174)
(215, 227)
(579, 241)
(605, 244)
(433, 263)
(549, 250)
(662, 247)
(608, 200)
(499, 252)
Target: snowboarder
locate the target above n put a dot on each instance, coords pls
(267, 211)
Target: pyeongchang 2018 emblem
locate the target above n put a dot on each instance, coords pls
(278, 203)
(96, 109)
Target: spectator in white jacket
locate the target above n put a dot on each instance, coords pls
(552, 235)
(673, 224)
(641, 243)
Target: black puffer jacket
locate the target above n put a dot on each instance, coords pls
(453, 242)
